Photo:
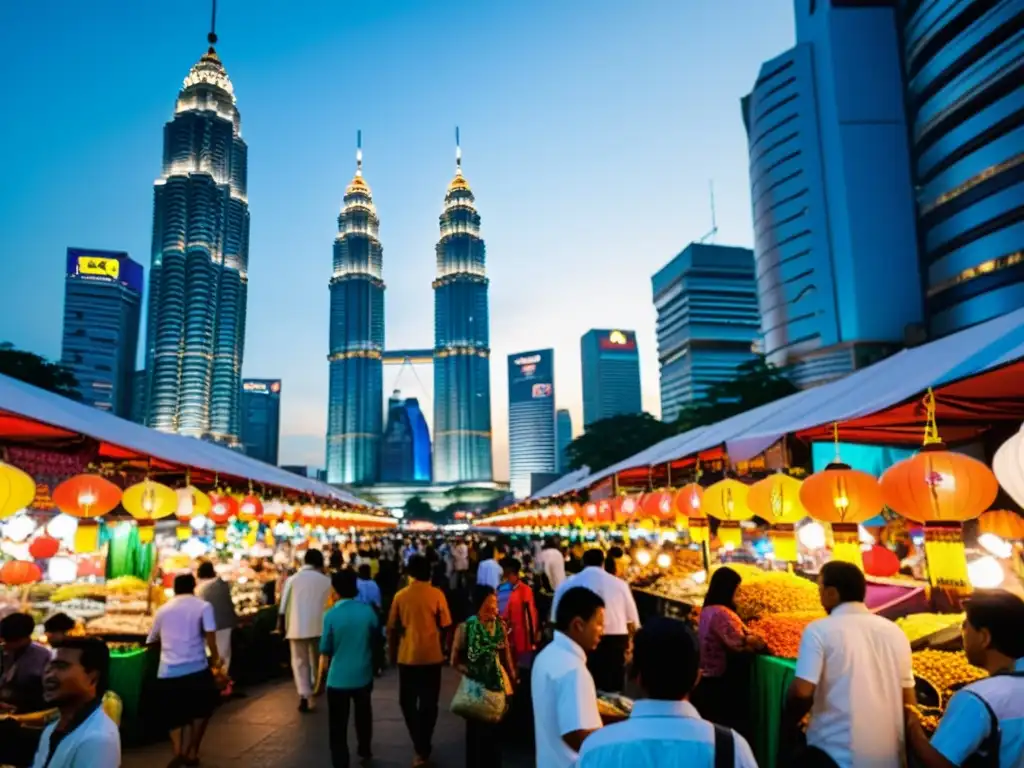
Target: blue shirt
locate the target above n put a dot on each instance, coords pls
(966, 723)
(369, 592)
(349, 633)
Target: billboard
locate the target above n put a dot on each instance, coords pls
(262, 386)
(531, 376)
(104, 267)
(617, 341)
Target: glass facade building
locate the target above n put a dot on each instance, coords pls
(831, 193)
(462, 378)
(708, 320)
(261, 418)
(531, 418)
(355, 410)
(964, 66)
(198, 277)
(405, 450)
(563, 436)
(611, 375)
(102, 308)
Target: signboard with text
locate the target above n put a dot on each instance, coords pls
(262, 386)
(617, 341)
(104, 267)
(531, 375)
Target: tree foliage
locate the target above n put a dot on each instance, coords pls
(417, 509)
(611, 440)
(756, 383)
(38, 371)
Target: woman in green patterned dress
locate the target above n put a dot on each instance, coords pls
(481, 653)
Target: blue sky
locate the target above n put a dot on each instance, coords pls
(590, 129)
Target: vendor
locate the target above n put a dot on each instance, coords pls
(22, 667)
(984, 722)
(725, 645)
(57, 628)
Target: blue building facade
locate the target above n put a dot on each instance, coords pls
(964, 67)
(198, 278)
(102, 308)
(355, 407)
(531, 418)
(611, 374)
(833, 206)
(708, 321)
(462, 377)
(261, 418)
(563, 437)
(405, 450)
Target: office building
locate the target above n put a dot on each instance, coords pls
(304, 470)
(198, 277)
(355, 396)
(708, 321)
(964, 68)
(102, 304)
(834, 235)
(462, 378)
(261, 418)
(563, 437)
(611, 375)
(531, 418)
(405, 449)
(139, 379)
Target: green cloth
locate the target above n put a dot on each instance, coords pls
(126, 555)
(770, 677)
(482, 653)
(129, 671)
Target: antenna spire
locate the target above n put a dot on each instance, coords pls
(359, 152)
(212, 37)
(458, 153)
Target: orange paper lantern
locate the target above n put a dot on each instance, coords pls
(839, 494)
(939, 486)
(657, 505)
(43, 547)
(689, 501)
(17, 573)
(86, 496)
(1002, 523)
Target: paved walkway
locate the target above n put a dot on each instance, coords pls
(265, 730)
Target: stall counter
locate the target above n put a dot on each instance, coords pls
(770, 677)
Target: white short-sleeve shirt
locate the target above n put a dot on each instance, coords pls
(180, 627)
(619, 605)
(489, 573)
(564, 700)
(860, 663)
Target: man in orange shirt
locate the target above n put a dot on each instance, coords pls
(416, 625)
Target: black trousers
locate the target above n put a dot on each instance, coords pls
(339, 702)
(607, 664)
(419, 688)
(483, 744)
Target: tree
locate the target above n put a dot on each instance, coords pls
(611, 440)
(757, 383)
(38, 371)
(417, 509)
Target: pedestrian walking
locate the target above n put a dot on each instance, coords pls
(519, 612)
(303, 602)
(488, 573)
(419, 617)
(217, 592)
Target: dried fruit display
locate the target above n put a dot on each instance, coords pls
(768, 592)
(781, 632)
(930, 717)
(943, 669)
(918, 625)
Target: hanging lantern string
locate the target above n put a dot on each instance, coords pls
(931, 427)
(835, 441)
(697, 471)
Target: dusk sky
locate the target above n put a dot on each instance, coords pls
(590, 130)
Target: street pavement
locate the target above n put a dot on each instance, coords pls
(265, 729)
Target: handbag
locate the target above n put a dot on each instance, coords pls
(473, 701)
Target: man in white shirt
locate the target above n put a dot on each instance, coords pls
(303, 603)
(564, 698)
(854, 675)
(665, 728)
(75, 681)
(460, 564)
(551, 563)
(488, 573)
(621, 619)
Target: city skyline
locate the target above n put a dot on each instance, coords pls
(576, 151)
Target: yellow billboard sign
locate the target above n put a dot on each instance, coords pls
(92, 265)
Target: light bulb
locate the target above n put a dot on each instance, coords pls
(86, 498)
(643, 557)
(985, 573)
(995, 545)
(664, 560)
(812, 536)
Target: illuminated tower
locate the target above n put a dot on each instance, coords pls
(462, 381)
(197, 285)
(356, 401)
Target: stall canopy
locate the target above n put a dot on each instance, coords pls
(562, 484)
(34, 416)
(977, 376)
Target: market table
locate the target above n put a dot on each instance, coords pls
(770, 677)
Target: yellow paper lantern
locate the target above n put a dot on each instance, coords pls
(149, 501)
(17, 490)
(726, 500)
(777, 499)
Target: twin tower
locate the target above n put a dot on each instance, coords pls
(461, 351)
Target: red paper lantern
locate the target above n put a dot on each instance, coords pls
(86, 496)
(17, 573)
(658, 505)
(689, 501)
(222, 508)
(250, 509)
(43, 547)
(881, 561)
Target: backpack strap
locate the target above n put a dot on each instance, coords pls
(725, 748)
(988, 751)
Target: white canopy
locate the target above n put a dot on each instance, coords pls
(562, 484)
(20, 399)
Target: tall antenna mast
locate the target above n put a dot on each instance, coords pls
(714, 224)
(359, 152)
(458, 153)
(212, 37)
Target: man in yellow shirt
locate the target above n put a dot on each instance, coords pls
(417, 627)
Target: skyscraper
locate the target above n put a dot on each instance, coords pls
(355, 407)
(531, 418)
(706, 299)
(261, 418)
(611, 375)
(834, 236)
(405, 451)
(964, 66)
(198, 278)
(563, 437)
(462, 379)
(102, 306)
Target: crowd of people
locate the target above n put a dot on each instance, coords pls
(537, 633)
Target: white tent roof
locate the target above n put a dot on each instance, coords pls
(869, 390)
(54, 410)
(562, 484)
